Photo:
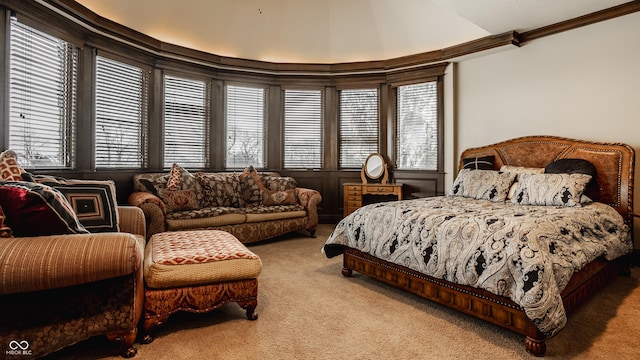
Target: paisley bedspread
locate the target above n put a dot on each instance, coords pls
(525, 253)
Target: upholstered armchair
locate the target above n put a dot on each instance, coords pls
(60, 289)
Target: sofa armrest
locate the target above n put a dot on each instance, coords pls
(48, 262)
(310, 199)
(154, 211)
(132, 220)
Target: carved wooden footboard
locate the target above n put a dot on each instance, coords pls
(615, 167)
(480, 303)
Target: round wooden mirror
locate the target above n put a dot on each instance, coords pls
(374, 168)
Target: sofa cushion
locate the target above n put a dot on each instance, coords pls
(5, 230)
(93, 201)
(281, 215)
(9, 168)
(220, 190)
(36, 209)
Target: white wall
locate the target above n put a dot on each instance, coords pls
(583, 83)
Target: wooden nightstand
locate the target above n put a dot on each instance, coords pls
(353, 193)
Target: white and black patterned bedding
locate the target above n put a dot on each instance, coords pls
(525, 253)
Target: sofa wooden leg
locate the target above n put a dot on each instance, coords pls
(124, 341)
(312, 233)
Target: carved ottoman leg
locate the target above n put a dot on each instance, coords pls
(347, 272)
(150, 324)
(250, 307)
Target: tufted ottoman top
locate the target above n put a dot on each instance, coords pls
(188, 258)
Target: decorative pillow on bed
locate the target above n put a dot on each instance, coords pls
(36, 209)
(482, 184)
(479, 163)
(550, 189)
(521, 170)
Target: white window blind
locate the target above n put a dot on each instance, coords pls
(186, 113)
(358, 126)
(121, 114)
(42, 98)
(417, 126)
(303, 129)
(244, 116)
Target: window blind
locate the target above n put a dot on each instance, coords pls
(417, 126)
(186, 113)
(42, 98)
(303, 129)
(244, 126)
(121, 114)
(358, 126)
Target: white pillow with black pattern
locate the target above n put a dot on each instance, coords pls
(482, 184)
(550, 189)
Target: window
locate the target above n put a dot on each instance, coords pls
(244, 126)
(358, 126)
(42, 98)
(303, 129)
(417, 127)
(121, 114)
(186, 113)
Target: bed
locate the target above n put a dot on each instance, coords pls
(516, 248)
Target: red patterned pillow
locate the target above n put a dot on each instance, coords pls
(9, 168)
(178, 200)
(35, 209)
(273, 198)
(182, 180)
(5, 231)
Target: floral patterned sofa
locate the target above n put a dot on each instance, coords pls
(250, 205)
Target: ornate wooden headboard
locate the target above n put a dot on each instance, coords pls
(615, 163)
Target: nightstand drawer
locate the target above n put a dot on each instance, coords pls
(353, 203)
(380, 189)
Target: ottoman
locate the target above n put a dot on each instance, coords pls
(197, 271)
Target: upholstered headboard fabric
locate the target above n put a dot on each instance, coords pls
(614, 162)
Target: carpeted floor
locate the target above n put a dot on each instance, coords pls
(308, 310)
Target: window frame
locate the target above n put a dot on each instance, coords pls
(68, 121)
(393, 151)
(265, 117)
(379, 126)
(322, 114)
(145, 117)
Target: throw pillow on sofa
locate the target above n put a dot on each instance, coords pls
(93, 201)
(33, 209)
(183, 190)
(5, 230)
(251, 186)
(221, 190)
(273, 198)
(9, 168)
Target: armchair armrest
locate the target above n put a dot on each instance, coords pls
(48, 262)
(310, 199)
(132, 220)
(154, 211)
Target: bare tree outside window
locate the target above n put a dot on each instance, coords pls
(359, 126)
(417, 126)
(244, 127)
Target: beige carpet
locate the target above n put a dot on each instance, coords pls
(308, 310)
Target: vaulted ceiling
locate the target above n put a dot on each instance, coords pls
(333, 31)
